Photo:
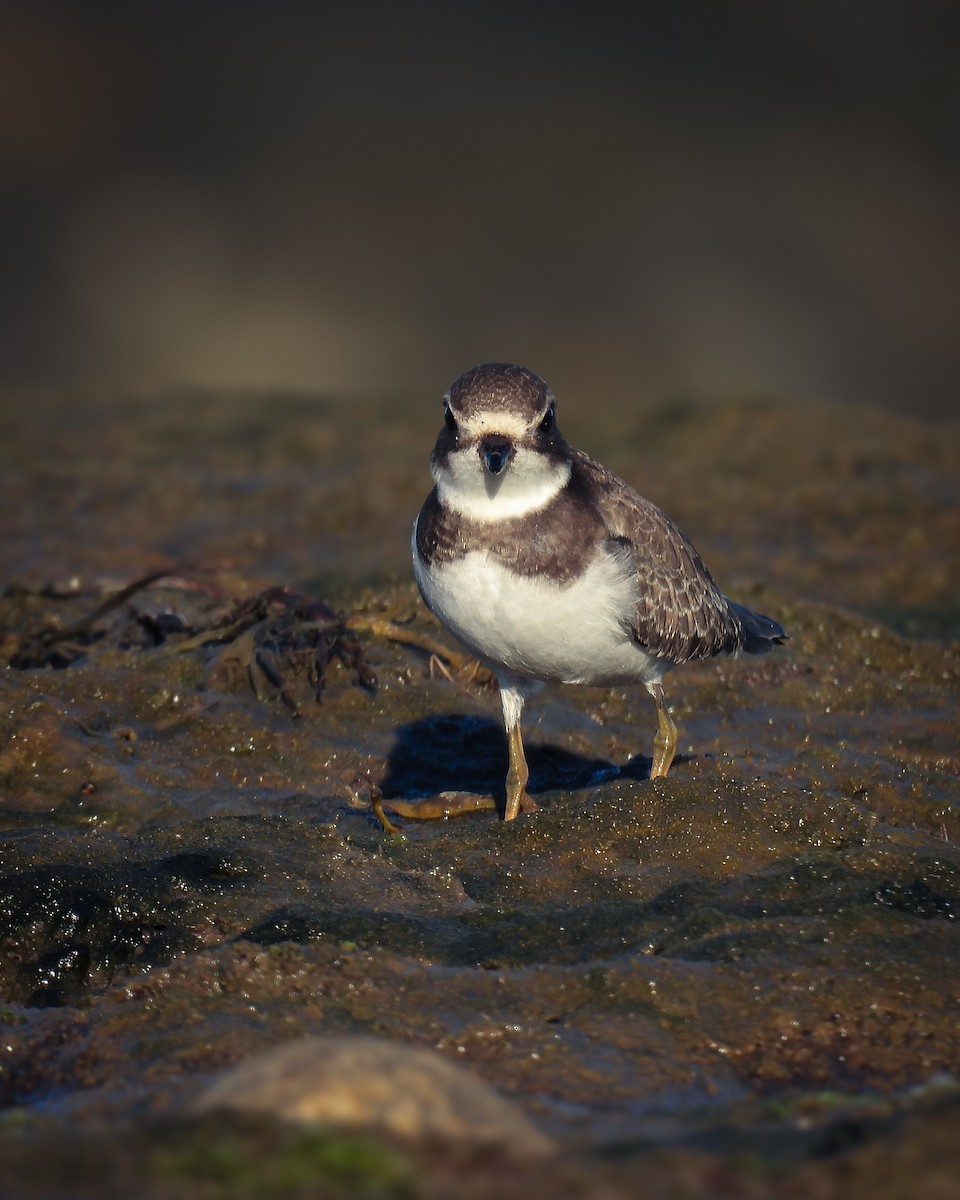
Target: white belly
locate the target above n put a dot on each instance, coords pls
(536, 629)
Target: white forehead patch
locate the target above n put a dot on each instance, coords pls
(479, 424)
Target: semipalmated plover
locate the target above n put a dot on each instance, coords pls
(548, 567)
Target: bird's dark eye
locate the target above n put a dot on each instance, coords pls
(449, 419)
(547, 423)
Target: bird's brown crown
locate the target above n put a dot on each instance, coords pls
(496, 387)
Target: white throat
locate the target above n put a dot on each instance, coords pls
(528, 484)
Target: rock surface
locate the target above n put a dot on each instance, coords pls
(362, 1083)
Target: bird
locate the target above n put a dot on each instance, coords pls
(547, 567)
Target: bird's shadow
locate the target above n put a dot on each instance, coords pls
(466, 753)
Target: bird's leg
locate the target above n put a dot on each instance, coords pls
(517, 774)
(451, 804)
(665, 742)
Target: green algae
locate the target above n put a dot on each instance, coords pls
(243, 1162)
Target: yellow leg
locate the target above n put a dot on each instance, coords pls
(517, 775)
(452, 804)
(665, 742)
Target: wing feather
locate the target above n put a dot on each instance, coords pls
(680, 614)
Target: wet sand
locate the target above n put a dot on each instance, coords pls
(742, 977)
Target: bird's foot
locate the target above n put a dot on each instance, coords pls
(430, 808)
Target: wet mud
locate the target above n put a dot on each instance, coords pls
(742, 978)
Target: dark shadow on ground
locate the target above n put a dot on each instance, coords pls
(463, 752)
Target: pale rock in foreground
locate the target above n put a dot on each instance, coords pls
(367, 1083)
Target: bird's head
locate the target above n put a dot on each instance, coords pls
(499, 453)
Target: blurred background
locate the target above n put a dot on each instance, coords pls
(640, 202)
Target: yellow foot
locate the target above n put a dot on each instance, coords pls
(431, 808)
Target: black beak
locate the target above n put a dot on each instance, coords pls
(496, 452)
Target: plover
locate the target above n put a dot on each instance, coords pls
(547, 567)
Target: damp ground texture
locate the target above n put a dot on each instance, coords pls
(741, 980)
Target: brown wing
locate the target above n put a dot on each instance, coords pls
(681, 614)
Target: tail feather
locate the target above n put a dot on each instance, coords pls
(760, 633)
